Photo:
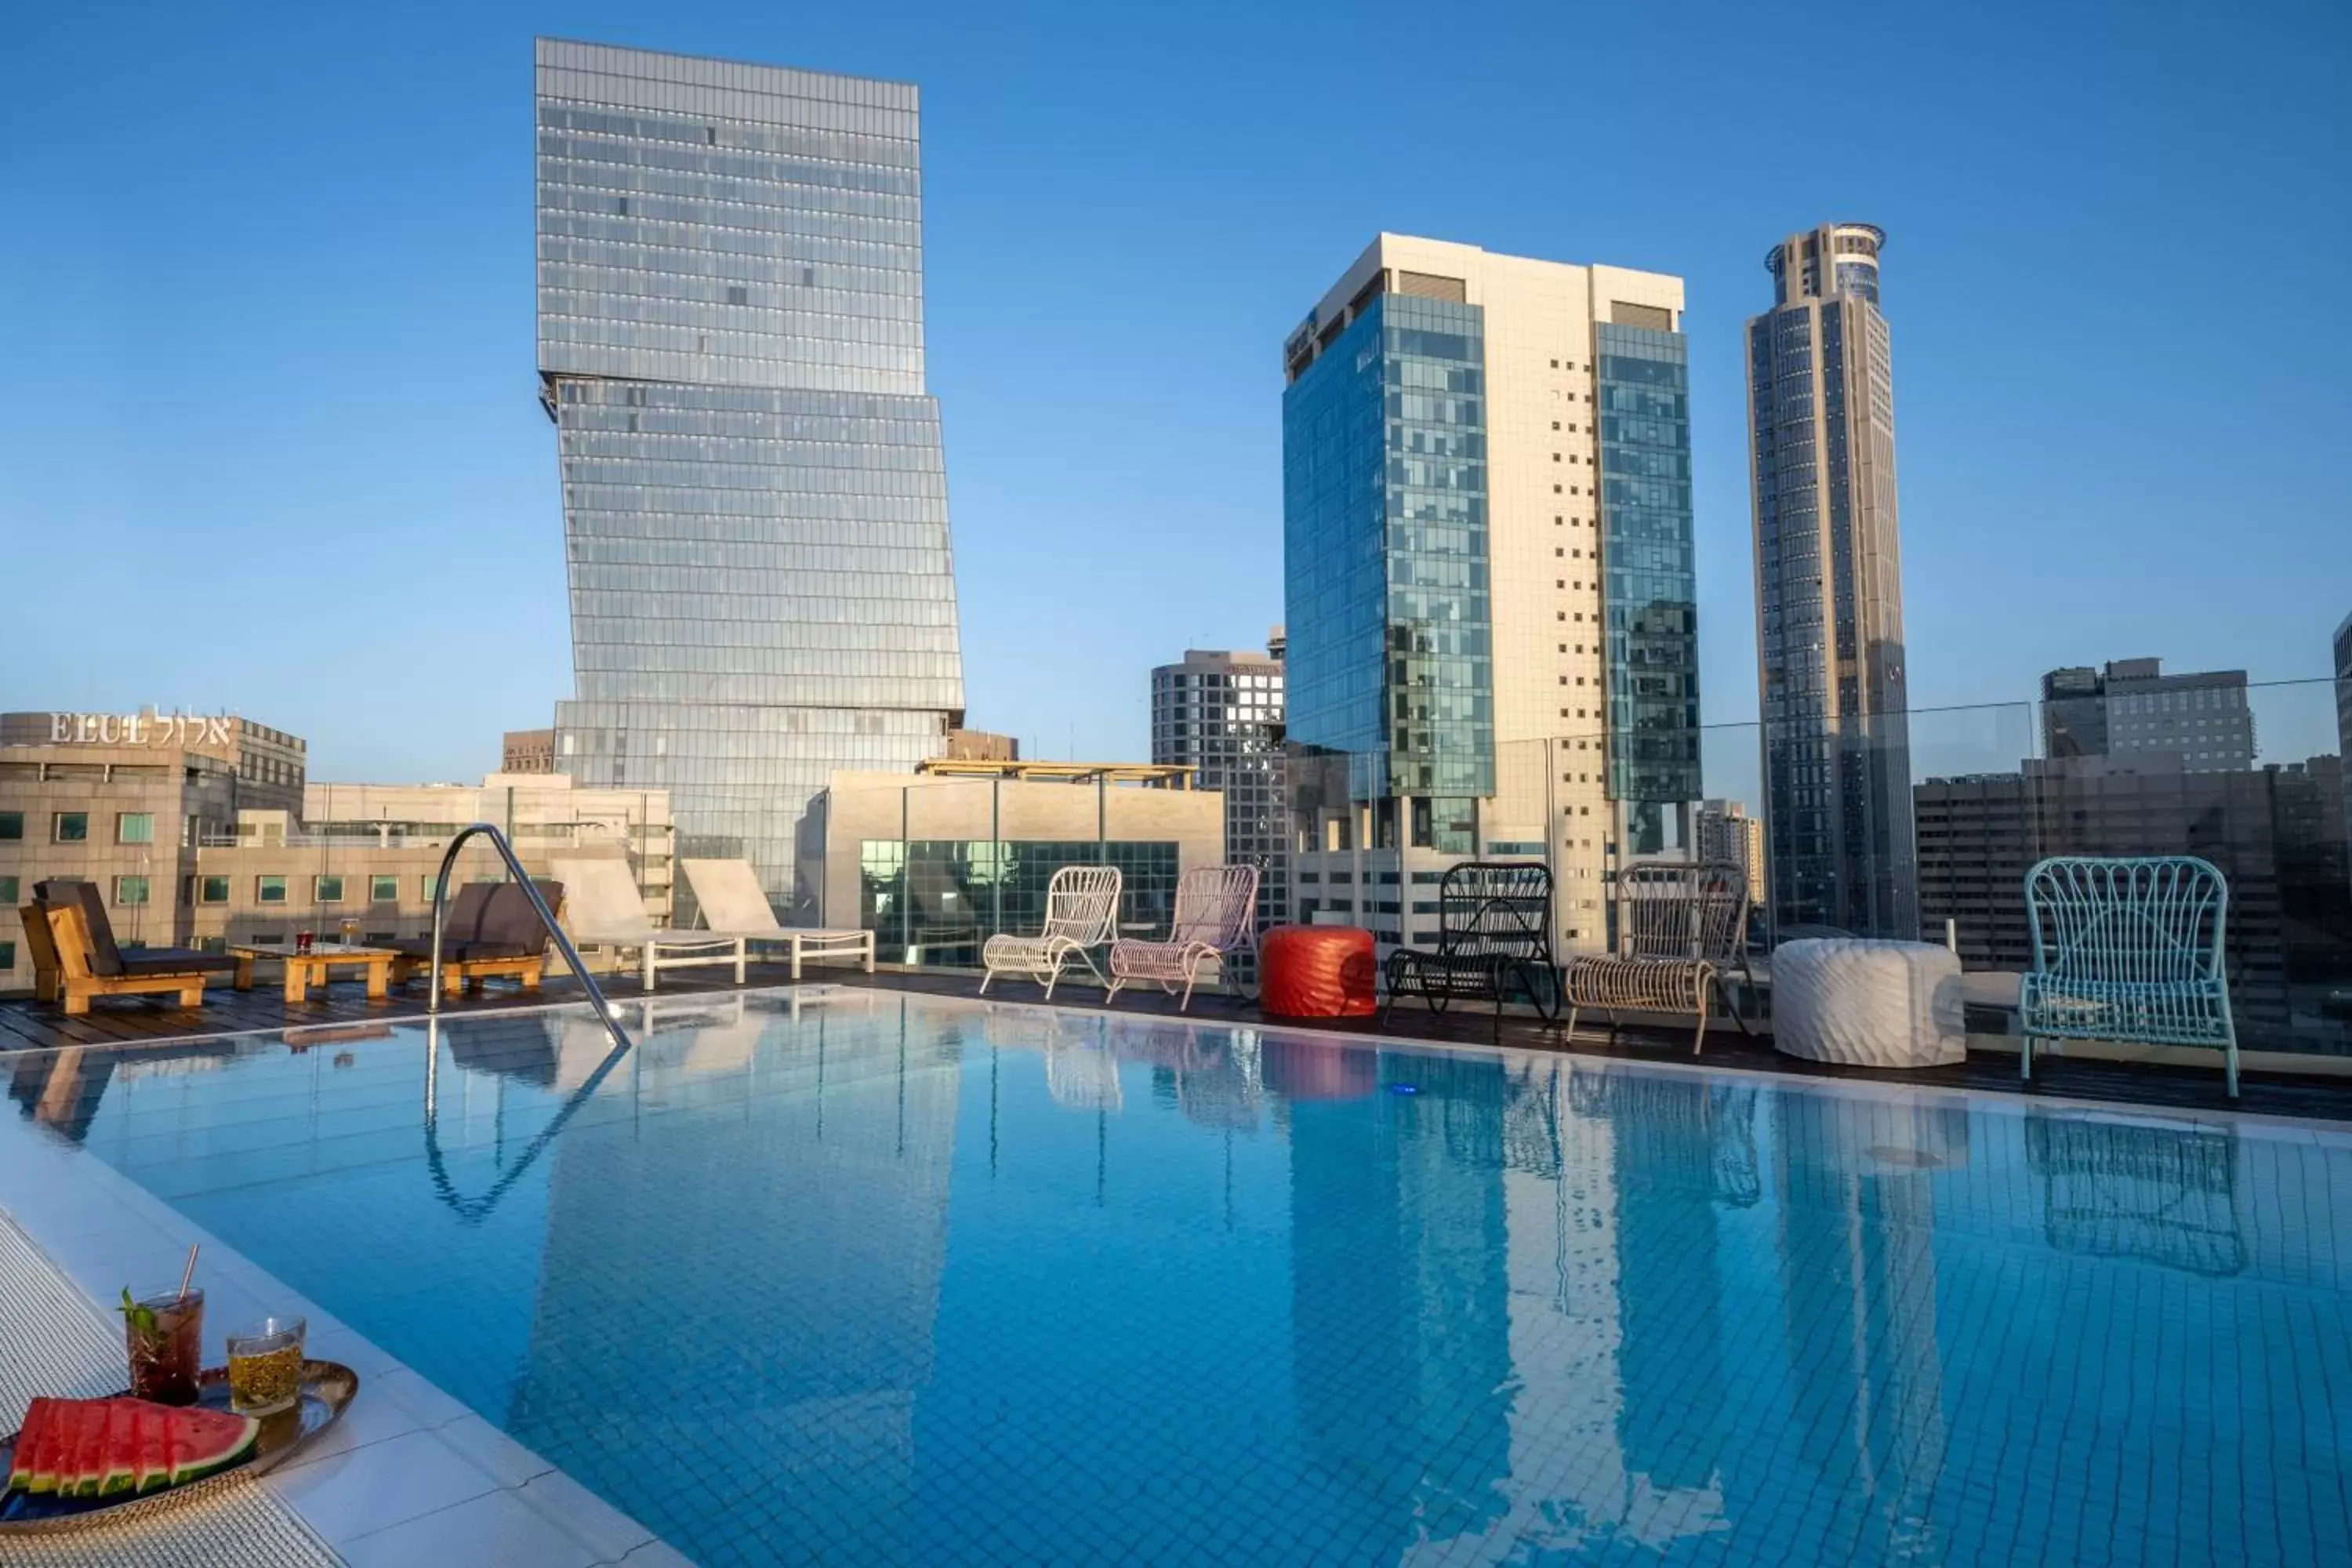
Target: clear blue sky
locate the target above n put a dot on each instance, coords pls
(268, 441)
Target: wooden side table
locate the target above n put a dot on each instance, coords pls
(304, 970)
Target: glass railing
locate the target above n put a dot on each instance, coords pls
(1921, 827)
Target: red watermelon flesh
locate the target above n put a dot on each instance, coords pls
(122, 1451)
(153, 1468)
(91, 1421)
(49, 1446)
(24, 1472)
(203, 1441)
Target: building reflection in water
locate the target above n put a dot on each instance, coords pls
(799, 1252)
(1859, 1316)
(1400, 1321)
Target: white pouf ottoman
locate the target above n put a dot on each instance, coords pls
(1868, 1003)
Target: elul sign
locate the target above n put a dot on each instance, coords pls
(138, 729)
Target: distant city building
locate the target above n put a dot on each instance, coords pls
(528, 751)
(2276, 833)
(2132, 709)
(731, 344)
(1220, 714)
(2074, 713)
(1976, 839)
(1469, 441)
(2343, 650)
(1829, 590)
(200, 832)
(933, 863)
(1727, 834)
(982, 746)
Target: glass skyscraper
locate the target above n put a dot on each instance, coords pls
(731, 344)
(1828, 591)
(1488, 580)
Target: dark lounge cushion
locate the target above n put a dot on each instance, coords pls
(105, 958)
(509, 919)
(175, 961)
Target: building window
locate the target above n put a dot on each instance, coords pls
(212, 889)
(328, 890)
(12, 825)
(135, 827)
(8, 893)
(129, 892)
(7, 956)
(269, 889)
(383, 889)
(70, 827)
(427, 887)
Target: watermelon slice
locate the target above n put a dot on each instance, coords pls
(88, 1419)
(153, 1469)
(203, 1441)
(122, 1451)
(48, 1446)
(24, 1472)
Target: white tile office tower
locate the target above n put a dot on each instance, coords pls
(1828, 591)
(1487, 578)
(1221, 713)
(730, 344)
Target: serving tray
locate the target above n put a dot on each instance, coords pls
(327, 1388)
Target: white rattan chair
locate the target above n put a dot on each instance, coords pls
(1216, 915)
(1081, 913)
(1681, 926)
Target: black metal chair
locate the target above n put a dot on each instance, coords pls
(1494, 937)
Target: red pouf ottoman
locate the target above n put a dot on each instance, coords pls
(1317, 971)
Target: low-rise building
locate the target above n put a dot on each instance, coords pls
(126, 801)
(935, 861)
(527, 752)
(202, 832)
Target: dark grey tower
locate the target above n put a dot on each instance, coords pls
(1828, 591)
(730, 344)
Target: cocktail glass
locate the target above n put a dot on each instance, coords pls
(164, 1336)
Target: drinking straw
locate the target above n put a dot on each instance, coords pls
(188, 1273)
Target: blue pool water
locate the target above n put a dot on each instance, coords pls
(867, 1279)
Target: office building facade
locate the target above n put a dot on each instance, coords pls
(2132, 709)
(730, 345)
(1488, 584)
(1220, 714)
(1829, 590)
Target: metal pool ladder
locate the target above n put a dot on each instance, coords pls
(530, 890)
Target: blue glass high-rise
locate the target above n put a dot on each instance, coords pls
(730, 344)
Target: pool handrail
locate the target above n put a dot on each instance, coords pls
(547, 917)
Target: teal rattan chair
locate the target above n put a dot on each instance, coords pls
(2129, 950)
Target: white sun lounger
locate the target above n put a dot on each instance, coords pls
(602, 908)
(729, 892)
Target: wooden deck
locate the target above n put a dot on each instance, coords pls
(26, 1025)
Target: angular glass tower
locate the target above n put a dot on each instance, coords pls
(730, 344)
(1828, 591)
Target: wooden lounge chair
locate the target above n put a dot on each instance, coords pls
(1081, 913)
(488, 930)
(1216, 915)
(731, 902)
(88, 963)
(603, 909)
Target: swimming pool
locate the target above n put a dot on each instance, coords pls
(847, 1276)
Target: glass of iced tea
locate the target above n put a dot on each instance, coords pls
(165, 1334)
(265, 1367)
